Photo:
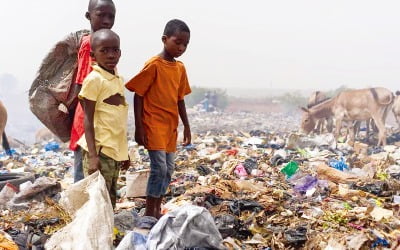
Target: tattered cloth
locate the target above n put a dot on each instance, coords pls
(53, 94)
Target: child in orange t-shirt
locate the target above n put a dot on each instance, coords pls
(160, 89)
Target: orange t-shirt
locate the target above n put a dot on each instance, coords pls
(162, 84)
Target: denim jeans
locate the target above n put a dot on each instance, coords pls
(78, 169)
(162, 166)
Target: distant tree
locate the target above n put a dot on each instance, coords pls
(292, 99)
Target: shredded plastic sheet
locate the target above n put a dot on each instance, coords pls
(185, 227)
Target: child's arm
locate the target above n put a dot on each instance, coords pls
(94, 162)
(140, 134)
(187, 137)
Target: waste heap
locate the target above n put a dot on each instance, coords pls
(264, 185)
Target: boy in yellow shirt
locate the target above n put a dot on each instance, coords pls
(160, 89)
(102, 96)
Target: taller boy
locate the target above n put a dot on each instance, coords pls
(101, 14)
(160, 89)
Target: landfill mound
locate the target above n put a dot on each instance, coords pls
(253, 179)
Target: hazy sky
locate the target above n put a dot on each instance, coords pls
(249, 44)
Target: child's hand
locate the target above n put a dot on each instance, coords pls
(140, 136)
(94, 164)
(126, 164)
(187, 136)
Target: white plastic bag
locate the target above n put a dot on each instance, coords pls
(89, 204)
(136, 183)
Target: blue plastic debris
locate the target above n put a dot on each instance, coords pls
(339, 164)
(190, 147)
(380, 242)
(52, 146)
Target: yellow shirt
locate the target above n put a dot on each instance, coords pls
(162, 84)
(110, 121)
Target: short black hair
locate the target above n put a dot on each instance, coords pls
(397, 92)
(100, 35)
(93, 3)
(175, 25)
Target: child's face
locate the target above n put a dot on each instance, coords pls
(102, 16)
(176, 44)
(107, 53)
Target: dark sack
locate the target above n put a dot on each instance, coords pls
(53, 94)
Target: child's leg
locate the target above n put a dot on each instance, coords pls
(110, 171)
(158, 172)
(170, 159)
(78, 165)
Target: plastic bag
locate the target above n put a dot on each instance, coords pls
(52, 96)
(290, 169)
(186, 226)
(89, 204)
(296, 236)
(136, 183)
(133, 241)
(7, 193)
(239, 206)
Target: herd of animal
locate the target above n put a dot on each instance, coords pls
(371, 105)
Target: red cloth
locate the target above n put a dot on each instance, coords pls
(84, 68)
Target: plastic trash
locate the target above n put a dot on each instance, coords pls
(394, 171)
(41, 188)
(296, 237)
(290, 169)
(213, 200)
(253, 141)
(133, 241)
(187, 226)
(227, 225)
(339, 164)
(7, 193)
(239, 206)
(277, 160)
(232, 152)
(305, 183)
(136, 183)
(52, 146)
(380, 242)
(124, 221)
(190, 147)
(203, 170)
(250, 164)
(240, 171)
(89, 204)
(376, 188)
(144, 222)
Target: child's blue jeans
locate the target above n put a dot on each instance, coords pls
(78, 169)
(162, 166)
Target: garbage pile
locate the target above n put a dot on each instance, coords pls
(257, 184)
